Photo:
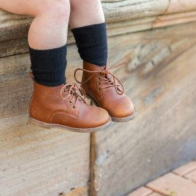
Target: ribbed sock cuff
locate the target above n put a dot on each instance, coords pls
(92, 43)
(48, 66)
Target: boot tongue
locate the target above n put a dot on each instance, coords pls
(103, 70)
(93, 67)
(66, 92)
(110, 79)
(73, 92)
(106, 74)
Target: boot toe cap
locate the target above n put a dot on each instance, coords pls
(102, 117)
(122, 108)
(95, 117)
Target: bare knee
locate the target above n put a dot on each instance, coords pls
(58, 9)
(77, 3)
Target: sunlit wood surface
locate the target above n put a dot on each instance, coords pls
(159, 37)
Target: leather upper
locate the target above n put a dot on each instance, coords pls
(64, 105)
(106, 90)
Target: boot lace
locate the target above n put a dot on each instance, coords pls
(106, 78)
(73, 93)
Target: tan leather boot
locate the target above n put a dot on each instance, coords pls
(64, 106)
(107, 92)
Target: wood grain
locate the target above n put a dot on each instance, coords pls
(174, 19)
(152, 55)
(81, 191)
(160, 81)
(14, 27)
(181, 6)
(16, 86)
(34, 161)
(124, 10)
(122, 16)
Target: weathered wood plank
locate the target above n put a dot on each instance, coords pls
(181, 6)
(16, 86)
(160, 81)
(150, 81)
(14, 71)
(121, 16)
(34, 161)
(13, 27)
(19, 45)
(125, 9)
(13, 46)
(82, 191)
(174, 19)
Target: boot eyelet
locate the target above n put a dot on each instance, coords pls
(70, 101)
(74, 107)
(99, 89)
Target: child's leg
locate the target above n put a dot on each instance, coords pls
(88, 12)
(47, 36)
(60, 105)
(89, 29)
(49, 28)
(88, 26)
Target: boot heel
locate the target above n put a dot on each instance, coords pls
(38, 123)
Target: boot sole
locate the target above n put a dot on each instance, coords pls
(73, 129)
(125, 119)
(116, 119)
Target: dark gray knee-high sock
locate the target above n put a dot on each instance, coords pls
(92, 43)
(48, 66)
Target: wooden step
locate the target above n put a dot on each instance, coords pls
(158, 77)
